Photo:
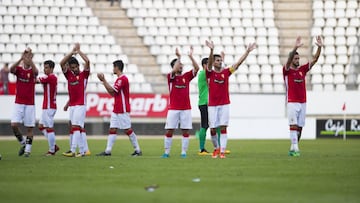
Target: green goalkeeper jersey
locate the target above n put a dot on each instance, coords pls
(202, 88)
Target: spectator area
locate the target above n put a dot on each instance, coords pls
(339, 22)
(50, 27)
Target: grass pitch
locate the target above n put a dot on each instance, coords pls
(255, 171)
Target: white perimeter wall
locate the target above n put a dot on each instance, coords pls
(252, 116)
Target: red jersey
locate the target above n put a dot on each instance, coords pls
(122, 95)
(25, 86)
(77, 87)
(49, 83)
(218, 83)
(179, 91)
(295, 83)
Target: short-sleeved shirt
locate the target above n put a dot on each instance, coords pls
(25, 86)
(121, 95)
(203, 88)
(295, 83)
(77, 87)
(49, 83)
(179, 90)
(218, 83)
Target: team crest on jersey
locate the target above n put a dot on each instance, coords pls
(183, 80)
(77, 77)
(222, 75)
(28, 75)
(301, 74)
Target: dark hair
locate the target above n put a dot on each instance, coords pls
(216, 55)
(172, 63)
(73, 60)
(295, 53)
(50, 63)
(119, 64)
(204, 61)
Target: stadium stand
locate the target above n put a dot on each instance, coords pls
(51, 28)
(339, 23)
(165, 25)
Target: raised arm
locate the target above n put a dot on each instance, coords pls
(210, 44)
(64, 61)
(319, 44)
(176, 67)
(28, 60)
(249, 48)
(84, 57)
(16, 64)
(298, 44)
(195, 65)
(107, 86)
(222, 54)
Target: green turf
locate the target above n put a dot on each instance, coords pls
(328, 170)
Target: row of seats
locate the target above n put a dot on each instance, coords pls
(48, 3)
(46, 11)
(200, 4)
(334, 22)
(22, 19)
(46, 47)
(98, 58)
(338, 4)
(198, 12)
(54, 29)
(233, 32)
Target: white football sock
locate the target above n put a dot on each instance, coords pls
(86, 146)
(82, 143)
(223, 143)
(71, 139)
(294, 141)
(167, 144)
(184, 144)
(51, 141)
(76, 139)
(214, 140)
(110, 142)
(134, 142)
